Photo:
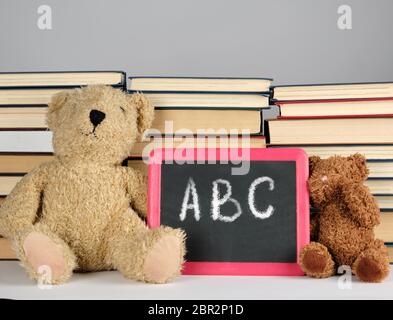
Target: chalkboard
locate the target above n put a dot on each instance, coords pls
(252, 223)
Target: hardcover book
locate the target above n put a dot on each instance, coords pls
(199, 84)
(61, 79)
(333, 91)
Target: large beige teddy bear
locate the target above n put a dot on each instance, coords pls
(83, 210)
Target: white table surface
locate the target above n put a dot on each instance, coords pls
(14, 284)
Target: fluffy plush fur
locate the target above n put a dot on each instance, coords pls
(83, 210)
(343, 228)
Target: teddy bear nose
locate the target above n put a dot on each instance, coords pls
(96, 117)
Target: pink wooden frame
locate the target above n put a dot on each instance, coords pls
(158, 156)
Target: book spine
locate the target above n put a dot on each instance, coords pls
(387, 115)
(286, 102)
(262, 93)
(120, 85)
(276, 101)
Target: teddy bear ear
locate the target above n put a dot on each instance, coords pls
(57, 101)
(145, 111)
(359, 162)
(312, 161)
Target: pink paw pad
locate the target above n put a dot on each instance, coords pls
(163, 261)
(44, 255)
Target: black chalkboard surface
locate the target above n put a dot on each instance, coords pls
(235, 224)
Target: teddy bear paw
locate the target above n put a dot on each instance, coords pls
(316, 261)
(45, 260)
(164, 260)
(371, 269)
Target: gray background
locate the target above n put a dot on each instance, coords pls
(293, 41)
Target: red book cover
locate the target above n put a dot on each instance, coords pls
(280, 102)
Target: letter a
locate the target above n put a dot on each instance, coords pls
(45, 20)
(190, 190)
(345, 20)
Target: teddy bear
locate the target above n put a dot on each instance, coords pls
(84, 211)
(342, 231)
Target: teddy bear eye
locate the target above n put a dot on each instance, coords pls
(122, 109)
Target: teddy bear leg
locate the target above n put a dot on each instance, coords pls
(154, 256)
(46, 257)
(316, 261)
(372, 265)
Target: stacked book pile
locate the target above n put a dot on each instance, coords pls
(203, 112)
(342, 119)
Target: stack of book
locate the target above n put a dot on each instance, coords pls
(342, 119)
(204, 112)
(25, 141)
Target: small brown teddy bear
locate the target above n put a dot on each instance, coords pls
(83, 210)
(343, 228)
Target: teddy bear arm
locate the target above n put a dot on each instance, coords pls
(137, 191)
(361, 205)
(20, 208)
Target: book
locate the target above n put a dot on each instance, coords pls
(384, 230)
(333, 91)
(380, 169)
(6, 251)
(22, 163)
(23, 117)
(26, 141)
(385, 203)
(370, 151)
(61, 79)
(8, 182)
(378, 166)
(37, 88)
(335, 108)
(34, 96)
(209, 100)
(191, 119)
(37, 142)
(380, 186)
(390, 251)
(377, 130)
(199, 84)
(14, 167)
(143, 148)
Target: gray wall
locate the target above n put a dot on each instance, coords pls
(293, 41)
